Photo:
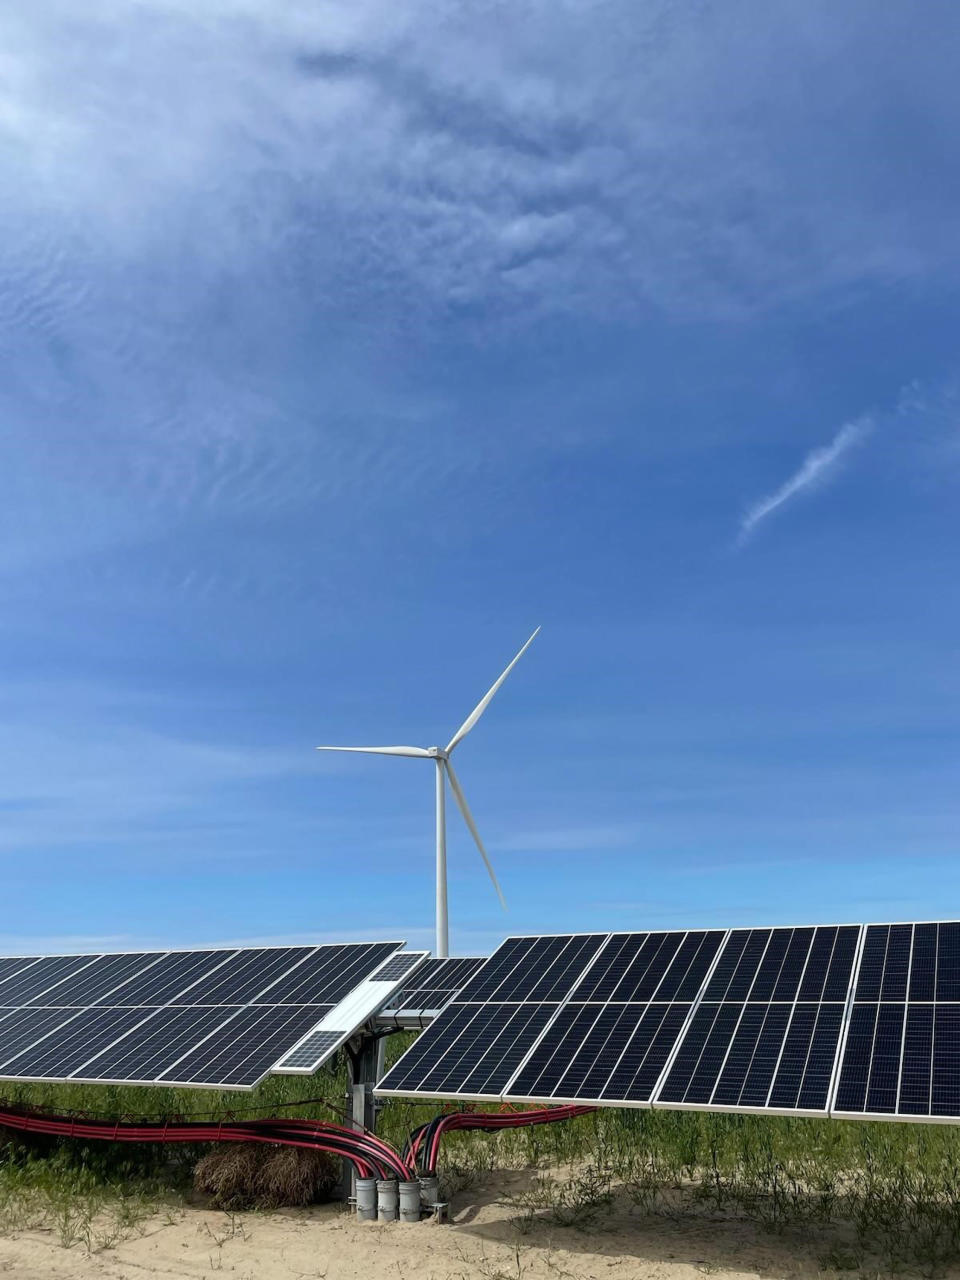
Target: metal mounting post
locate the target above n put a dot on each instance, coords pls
(364, 1056)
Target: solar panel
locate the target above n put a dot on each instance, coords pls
(162, 1040)
(901, 1056)
(567, 1018)
(161, 981)
(44, 976)
(766, 1030)
(244, 1049)
(612, 1039)
(353, 1011)
(749, 1019)
(435, 984)
(96, 980)
(219, 1018)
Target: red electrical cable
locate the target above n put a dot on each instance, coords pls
(485, 1121)
(369, 1154)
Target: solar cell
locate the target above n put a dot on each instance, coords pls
(901, 1055)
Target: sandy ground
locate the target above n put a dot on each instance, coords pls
(482, 1240)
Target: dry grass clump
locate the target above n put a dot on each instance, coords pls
(239, 1175)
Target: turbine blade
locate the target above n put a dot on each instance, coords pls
(484, 702)
(383, 751)
(464, 808)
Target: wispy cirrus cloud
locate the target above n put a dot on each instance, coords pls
(221, 231)
(818, 466)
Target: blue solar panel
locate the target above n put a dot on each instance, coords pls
(901, 1057)
(172, 1017)
(749, 1019)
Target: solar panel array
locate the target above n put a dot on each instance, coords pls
(218, 1018)
(843, 1020)
(860, 1021)
(613, 1004)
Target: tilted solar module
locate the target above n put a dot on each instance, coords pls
(614, 1035)
(575, 1017)
(433, 986)
(221, 1018)
(901, 1056)
(356, 1008)
(767, 1027)
(741, 1020)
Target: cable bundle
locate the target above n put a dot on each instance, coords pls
(370, 1155)
(423, 1146)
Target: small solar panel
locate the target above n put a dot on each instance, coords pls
(317, 1046)
(398, 967)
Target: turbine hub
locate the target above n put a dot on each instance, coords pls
(438, 753)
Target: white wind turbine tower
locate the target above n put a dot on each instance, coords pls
(441, 757)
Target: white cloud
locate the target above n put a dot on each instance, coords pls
(817, 467)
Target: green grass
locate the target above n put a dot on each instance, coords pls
(891, 1191)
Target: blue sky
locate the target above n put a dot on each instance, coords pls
(343, 347)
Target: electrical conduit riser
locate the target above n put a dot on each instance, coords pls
(429, 1190)
(387, 1200)
(366, 1199)
(409, 1201)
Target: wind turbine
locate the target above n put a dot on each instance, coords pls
(441, 757)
